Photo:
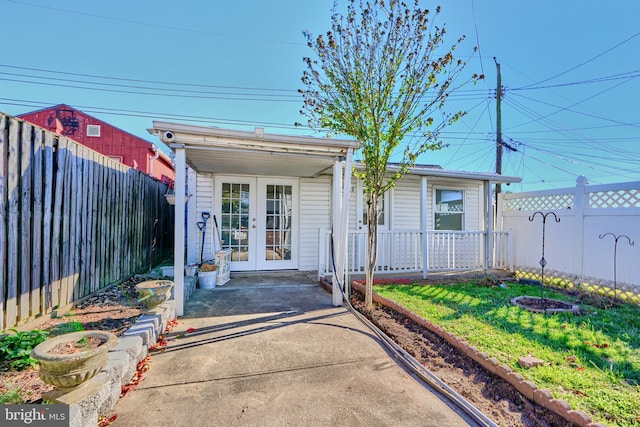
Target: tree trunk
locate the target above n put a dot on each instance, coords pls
(372, 247)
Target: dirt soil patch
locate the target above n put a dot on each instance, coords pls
(493, 396)
(115, 309)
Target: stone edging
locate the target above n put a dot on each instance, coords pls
(527, 388)
(100, 394)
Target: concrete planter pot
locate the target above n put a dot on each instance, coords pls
(152, 293)
(69, 370)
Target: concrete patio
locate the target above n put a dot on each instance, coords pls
(269, 349)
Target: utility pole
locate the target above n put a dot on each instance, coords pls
(498, 126)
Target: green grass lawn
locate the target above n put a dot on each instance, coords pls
(592, 360)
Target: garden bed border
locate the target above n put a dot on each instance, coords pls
(528, 389)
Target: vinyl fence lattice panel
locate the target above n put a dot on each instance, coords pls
(539, 203)
(615, 199)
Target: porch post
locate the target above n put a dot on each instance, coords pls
(192, 219)
(178, 239)
(424, 220)
(344, 222)
(336, 234)
(488, 263)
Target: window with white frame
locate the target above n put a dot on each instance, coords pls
(449, 210)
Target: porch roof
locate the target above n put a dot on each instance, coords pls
(431, 170)
(209, 149)
(225, 151)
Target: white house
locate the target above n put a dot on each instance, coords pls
(276, 199)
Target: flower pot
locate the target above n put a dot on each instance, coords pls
(152, 293)
(207, 279)
(77, 362)
(190, 270)
(167, 271)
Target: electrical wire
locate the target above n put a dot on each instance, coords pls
(585, 62)
(155, 25)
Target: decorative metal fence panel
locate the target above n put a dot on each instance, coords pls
(71, 221)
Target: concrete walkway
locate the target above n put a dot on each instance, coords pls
(271, 350)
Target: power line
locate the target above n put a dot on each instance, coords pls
(157, 82)
(120, 85)
(583, 139)
(148, 114)
(627, 75)
(568, 108)
(587, 61)
(183, 93)
(135, 92)
(619, 122)
(154, 25)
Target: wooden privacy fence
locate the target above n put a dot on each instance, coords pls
(72, 221)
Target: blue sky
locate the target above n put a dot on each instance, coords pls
(570, 70)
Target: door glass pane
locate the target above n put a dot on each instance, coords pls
(365, 213)
(235, 220)
(278, 211)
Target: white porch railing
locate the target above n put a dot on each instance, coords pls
(401, 251)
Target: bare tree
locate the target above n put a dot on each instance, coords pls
(382, 75)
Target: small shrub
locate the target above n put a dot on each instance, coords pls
(11, 396)
(15, 348)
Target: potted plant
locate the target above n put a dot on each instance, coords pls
(68, 360)
(152, 293)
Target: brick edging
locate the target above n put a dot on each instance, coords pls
(527, 388)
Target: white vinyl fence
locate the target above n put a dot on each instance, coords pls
(580, 247)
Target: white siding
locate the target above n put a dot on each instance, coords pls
(315, 209)
(406, 207)
(405, 214)
(353, 204)
(204, 203)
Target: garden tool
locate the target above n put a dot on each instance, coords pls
(201, 226)
(215, 222)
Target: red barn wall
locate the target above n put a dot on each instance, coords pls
(113, 142)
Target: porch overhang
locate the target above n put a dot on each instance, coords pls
(437, 171)
(224, 151)
(214, 150)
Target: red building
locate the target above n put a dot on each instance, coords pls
(104, 138)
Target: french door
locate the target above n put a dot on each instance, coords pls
(259, 218)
